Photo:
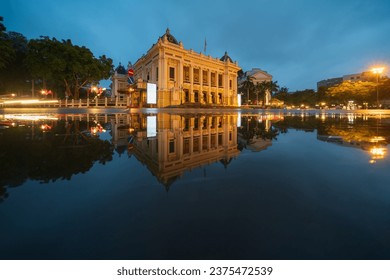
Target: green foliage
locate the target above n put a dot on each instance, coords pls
(357, 91)
(248, 87)
(307, 97)
(6, 50)
(13, 77)
(49, 156)
(63, 62)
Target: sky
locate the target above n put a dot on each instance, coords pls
(298, 42)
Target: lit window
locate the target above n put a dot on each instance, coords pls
(171, 73)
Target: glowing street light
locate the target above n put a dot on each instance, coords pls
(377, 71)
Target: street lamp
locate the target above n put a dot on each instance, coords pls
(377, 71)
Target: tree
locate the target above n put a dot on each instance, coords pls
(356, 91)
(268, 87)
(260, 88)
(72, 65)
(272, 86)
(248, 86)
(6, 50)
(14, 75)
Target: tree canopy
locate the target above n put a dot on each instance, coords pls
(6, 50)
(357, 91)
(60, 64)
(63, 62)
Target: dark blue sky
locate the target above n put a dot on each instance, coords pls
(298, 42)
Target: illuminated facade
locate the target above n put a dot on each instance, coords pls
(184, 77)
(182, 143)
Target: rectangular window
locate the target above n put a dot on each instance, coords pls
(213, 79)
(156, 73)
(186, 95)
(171, 146)
(196, 123)
(230, 84)
(171, 73)
(213, 121)
(196, 76)
(213, 144)
(196, 96)
(205, 78)
(205, 123)
(186, 73)
(186, 124)
(205, 142)
(220, 80)
(195, 147)
(186, 146)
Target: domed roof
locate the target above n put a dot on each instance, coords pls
(170, 37)
(120, 69)
(226, 58)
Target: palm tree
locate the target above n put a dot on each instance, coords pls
(271, 87)
(260, 88)
(248, 86)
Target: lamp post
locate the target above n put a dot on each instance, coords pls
(377, 71)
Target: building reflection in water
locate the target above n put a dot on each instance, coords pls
(168, 144)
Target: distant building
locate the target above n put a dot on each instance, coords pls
(119, 87)
(362, 77)
(329, 82)
(258, 76)
(184, 77)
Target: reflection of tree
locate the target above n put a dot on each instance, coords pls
(306, 123)
(359, 129)
(29, 153)
(252, 129)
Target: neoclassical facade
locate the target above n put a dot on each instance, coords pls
(184, 142)
(185, 77)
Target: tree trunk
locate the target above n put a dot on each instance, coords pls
(68, 92)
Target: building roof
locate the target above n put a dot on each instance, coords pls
(257, 74)
(225, 58)
(120, 69)
(170, 37)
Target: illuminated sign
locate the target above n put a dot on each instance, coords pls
(239, 99)
(151, 126)
(151, 93)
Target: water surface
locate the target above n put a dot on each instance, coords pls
(194, 185)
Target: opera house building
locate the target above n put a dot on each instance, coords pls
(169, 75)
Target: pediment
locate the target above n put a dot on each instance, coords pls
(261, 75)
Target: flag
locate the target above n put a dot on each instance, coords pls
(205, 45)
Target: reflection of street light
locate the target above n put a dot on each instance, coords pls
(377, 71)
(378, 150)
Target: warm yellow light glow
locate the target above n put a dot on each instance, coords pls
(29, 117)
(378, 152)
(377, 139)
(377, 70)
(28, 101)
